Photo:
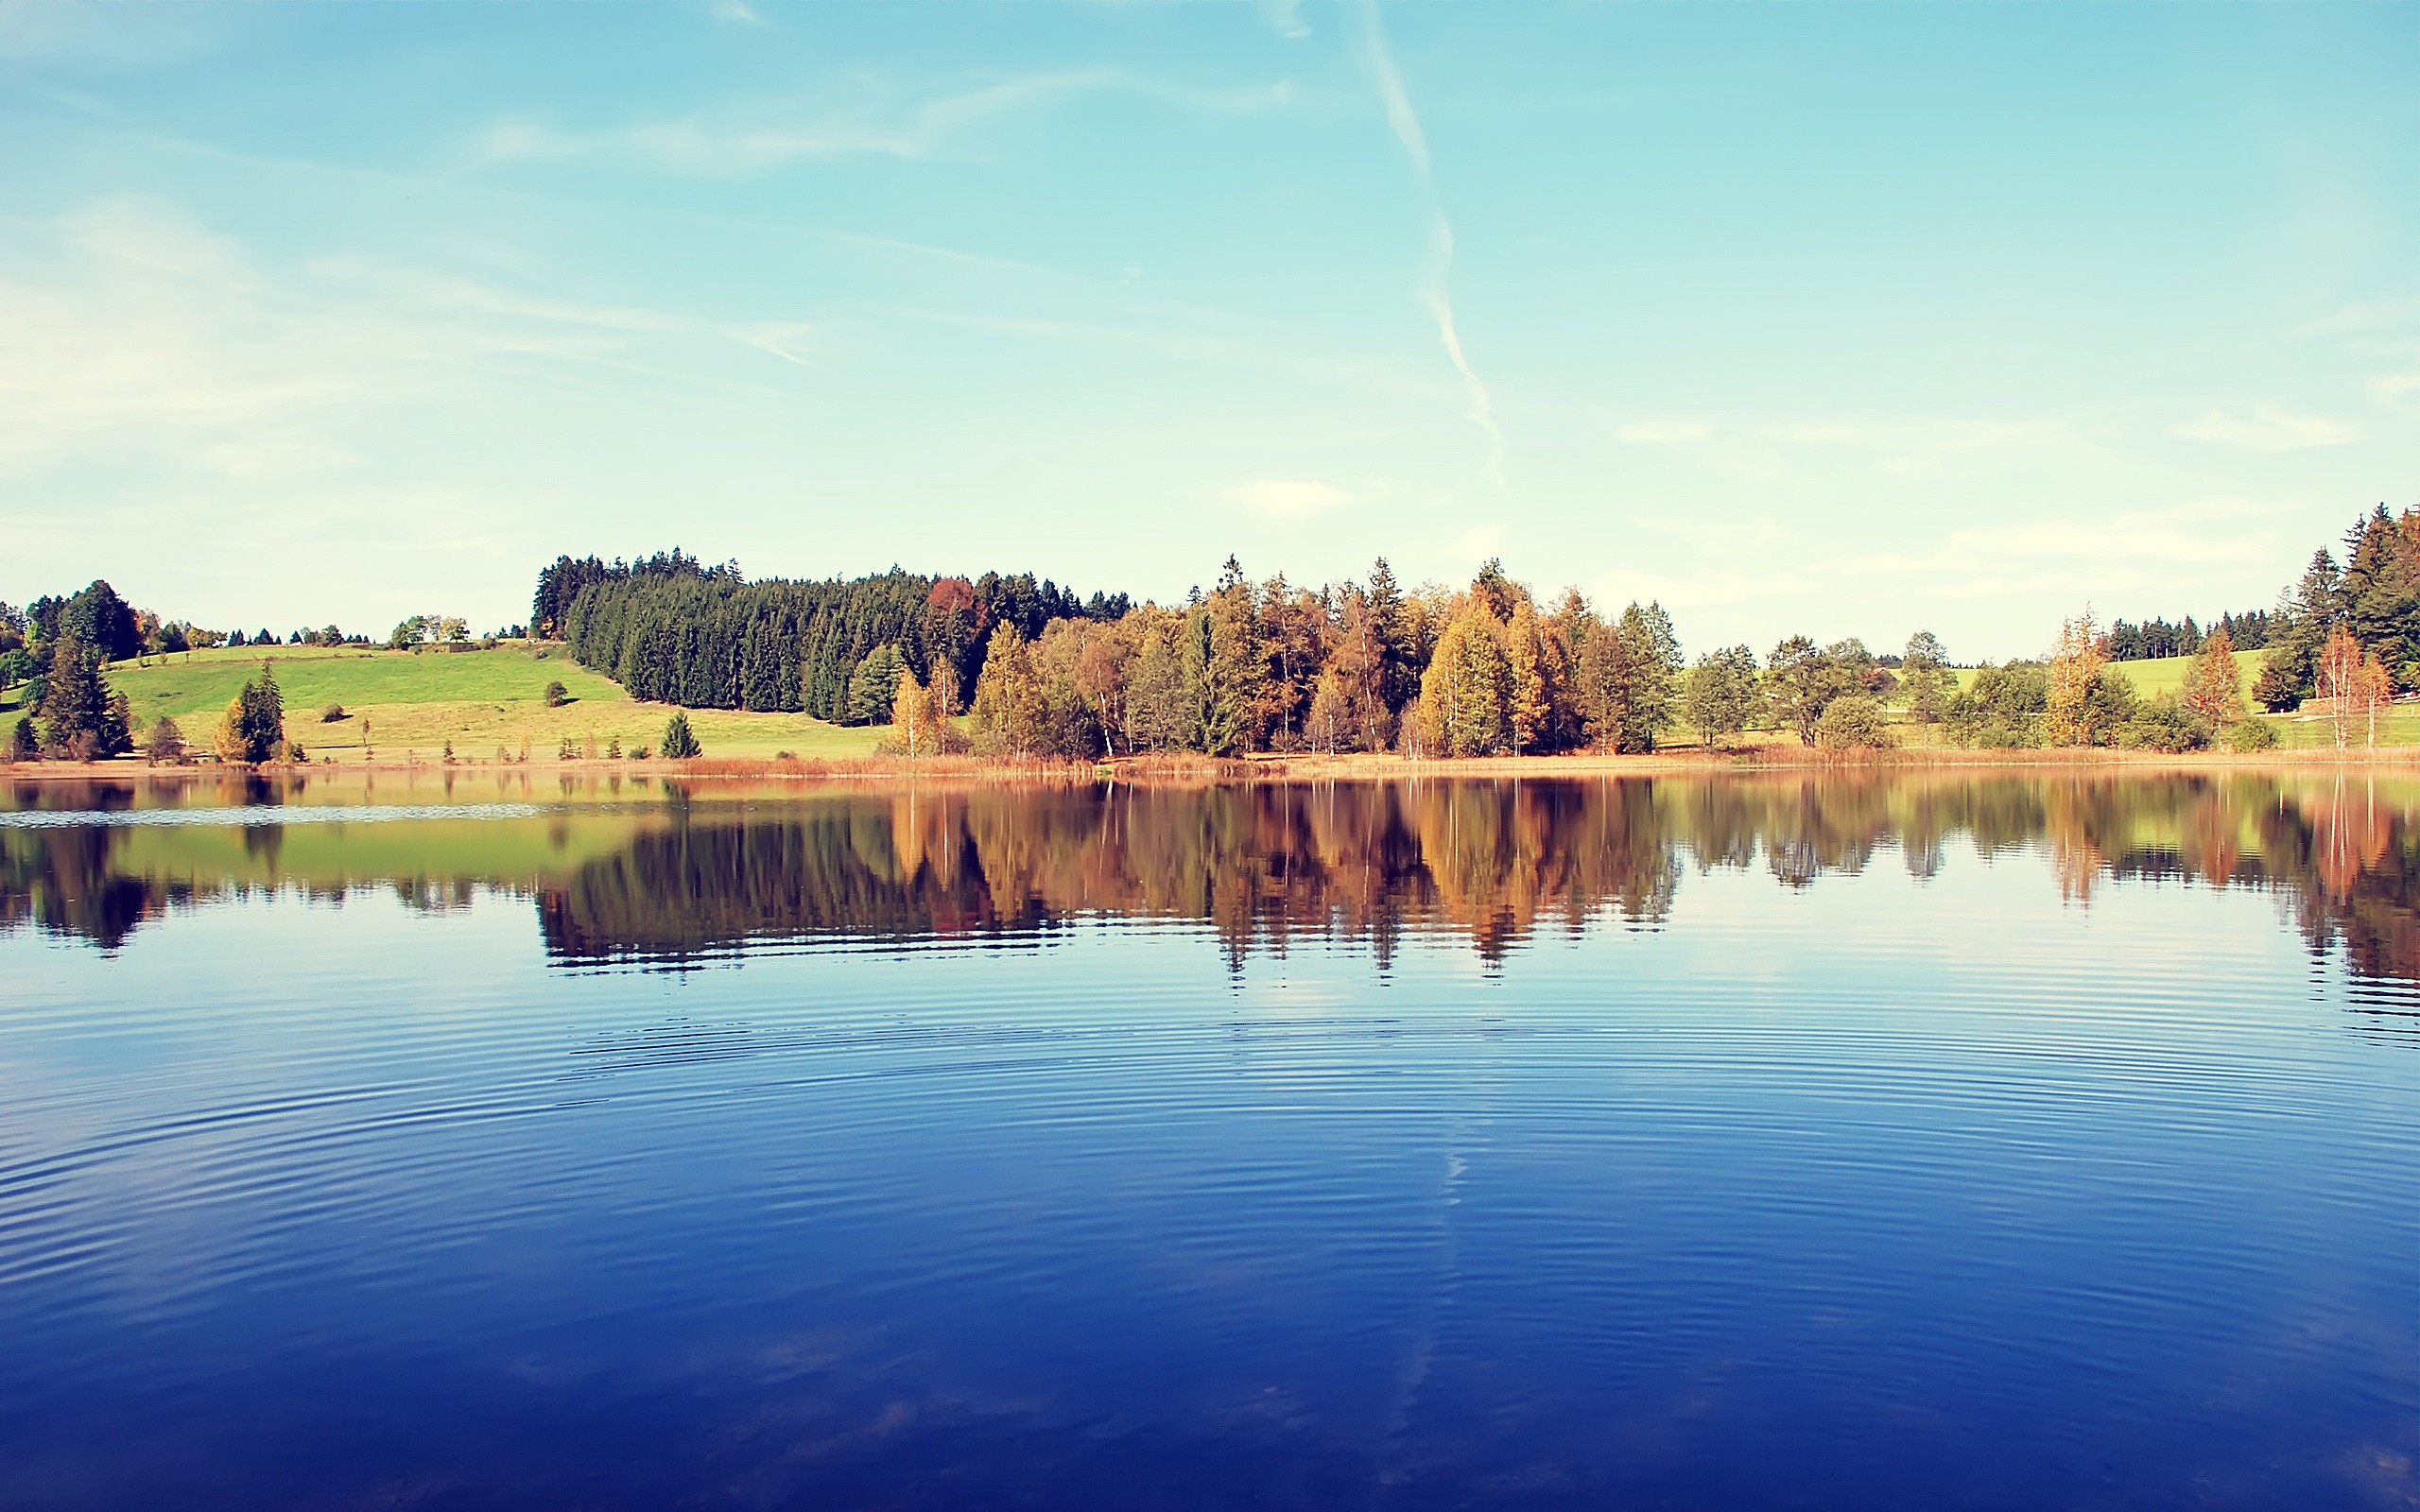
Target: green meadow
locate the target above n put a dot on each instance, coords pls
(400, 704)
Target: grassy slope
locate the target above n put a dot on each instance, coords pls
(477, 699)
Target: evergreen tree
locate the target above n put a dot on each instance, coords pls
(75, 700)
(679, 741)
(1720, 696)
(1162, 713)
(873, 685)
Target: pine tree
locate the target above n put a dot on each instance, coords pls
(679, 741)
(1721, 694)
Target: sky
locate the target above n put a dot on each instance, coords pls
(1851, 320)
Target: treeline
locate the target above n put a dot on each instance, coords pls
(1248, 666)
(2350, 632)
(2154, 639)
(670, 627)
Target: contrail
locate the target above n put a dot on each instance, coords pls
(1435, 294)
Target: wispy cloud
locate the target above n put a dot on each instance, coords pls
(736, 13)
(722, 148)
(2268, 428)
(1290, 498)
(1284, 17)
(1662, 432)
(1436, 294)
(2365, 316)
(2394, 389)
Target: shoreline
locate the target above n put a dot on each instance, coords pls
(1357, 766)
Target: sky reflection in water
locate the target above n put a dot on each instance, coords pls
(2010, 1142)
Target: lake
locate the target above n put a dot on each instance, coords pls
(1785, 1141)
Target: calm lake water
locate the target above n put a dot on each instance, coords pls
(1932, 1142)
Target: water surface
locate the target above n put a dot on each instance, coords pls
(1773, 1142)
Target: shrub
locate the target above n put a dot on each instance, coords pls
(614, 748)
(638, 753)
(2250, 734)
(2164, 724)
(557, 696)
(567, 751)
(1853, 722)
(332, 714)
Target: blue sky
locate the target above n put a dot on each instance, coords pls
(1852, 319)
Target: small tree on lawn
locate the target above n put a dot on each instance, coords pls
(680, 742)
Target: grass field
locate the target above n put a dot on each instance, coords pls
(399, 704)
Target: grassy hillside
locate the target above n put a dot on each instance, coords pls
(478, 700)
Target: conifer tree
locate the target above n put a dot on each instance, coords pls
(1161, 715)
(679, 741)
(1721, 694)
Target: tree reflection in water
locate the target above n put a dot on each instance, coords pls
(676, 880)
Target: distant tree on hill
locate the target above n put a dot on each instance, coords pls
(254, 728)
(165, 744)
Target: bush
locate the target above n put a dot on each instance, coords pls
(2249, 734)
(2165, 725)
(332, 714)
(638, 753)
(680, 742)
(1854, 722)
(557, 696)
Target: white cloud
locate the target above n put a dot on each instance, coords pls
(1284, 17)
(2269, 428)
(2393, 387)
(1665, 431)
(1291, 498)
(724, 148)
(736, 13)
(1436, 294)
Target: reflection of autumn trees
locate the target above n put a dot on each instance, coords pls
(1261, 866)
